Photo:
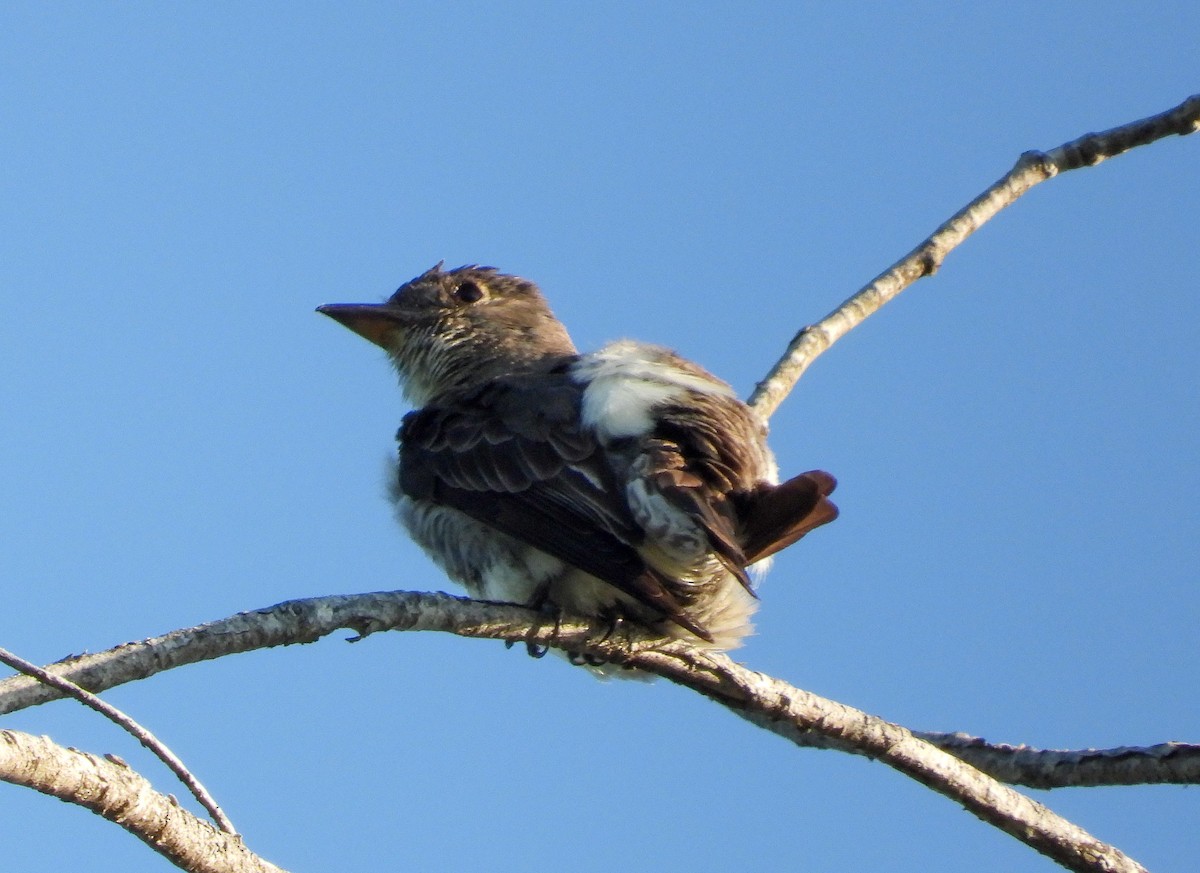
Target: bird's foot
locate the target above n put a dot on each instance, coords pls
(540, 603)
(613, 619)
(535, 650)
(583, 659)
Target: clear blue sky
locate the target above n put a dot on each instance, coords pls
(180, 185)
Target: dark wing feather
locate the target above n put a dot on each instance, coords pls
(709, 450)
(673, 477)
(513, 456)
(716, 474)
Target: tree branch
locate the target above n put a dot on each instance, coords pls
(1030, 169)
(143, 736)
(791, 712)
(111, 789)
(1165, 763)
(308, 620)
(802, 717)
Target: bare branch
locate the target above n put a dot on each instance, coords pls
(791, 712)
(308, 620)
(284, 624)
(803, 718)
(1030, 169)
(112, 790)
(143, 736)
(1175, 763)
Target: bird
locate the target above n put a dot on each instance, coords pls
(628, 483)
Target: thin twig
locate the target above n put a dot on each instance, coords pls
(1030, 169)
(142, 735)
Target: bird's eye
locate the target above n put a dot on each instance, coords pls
(468, 292)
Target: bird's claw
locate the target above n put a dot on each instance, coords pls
(540, 603)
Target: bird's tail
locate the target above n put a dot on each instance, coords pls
(775, 516)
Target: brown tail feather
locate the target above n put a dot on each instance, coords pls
(775, 516)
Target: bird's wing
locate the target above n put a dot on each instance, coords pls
(681, 509)
(708, 460)
(514, 456)
(705, 449)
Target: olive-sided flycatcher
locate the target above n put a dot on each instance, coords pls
(627, 483)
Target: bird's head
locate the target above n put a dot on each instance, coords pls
(450, 330)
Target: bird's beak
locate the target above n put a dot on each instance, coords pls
(376, 322)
